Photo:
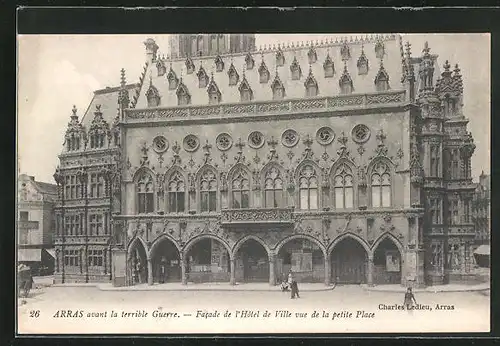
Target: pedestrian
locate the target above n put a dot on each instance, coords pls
(290, 278)
(409, 300)
(163, 270)
(294, 290)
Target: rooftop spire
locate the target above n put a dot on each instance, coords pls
(74, 116)
(123, 80)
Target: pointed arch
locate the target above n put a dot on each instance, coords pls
(345, 82)
(381, 79)
(295, 69)
(183, 95)
(162, 237)
(203, 78)
(311, 85)
(328, 66)
(193, 241)
(282, 242)
(390, 236)
(240, 185)
(240, 242)
(246, 92)
(381, 182)
(344, 236)
(273, 182)
(263, 72)
(233, 75)
(153, 96)
(176, 183)
(133, 242)
(172, 79)
(214, 94)
(207, 182)
(343, 184)
(308, 176)
(277, 88)
(144, 181)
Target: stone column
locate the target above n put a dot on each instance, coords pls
(272, 266)
(370, 270)
(183, 270)
(327, 270)
(150, 272)
(232, 280)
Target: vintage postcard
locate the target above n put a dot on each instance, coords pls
(253, 183)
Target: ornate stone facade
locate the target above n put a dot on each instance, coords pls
(340, 184)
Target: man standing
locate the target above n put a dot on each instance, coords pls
(295, 289)
(163, 270)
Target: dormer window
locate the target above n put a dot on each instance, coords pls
(313, 57)
(189, 65)
(449, 106)
(97, 140)
(249, 61)
(311, 85)
(345, 52)
(263, 73)
(219, 64)
(382, 79)
(160, 65)
(202, 78)
(98, 130)
(246, 93)
(280, 58)
(153, 96)
(173, 81)
(295, 69)
(183, 95)
(214, 95)
(345, 83)
(233, 75)
(328, 67)
(379, 49)
(362, 63)
(278, 88)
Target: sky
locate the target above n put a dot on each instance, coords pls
(56, 72)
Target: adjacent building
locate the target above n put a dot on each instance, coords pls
(482, 210)
(345, 161)
(35, 224)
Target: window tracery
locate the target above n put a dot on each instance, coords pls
(360, 133)
(176, 193)
(382, 79)
(308, 188)
(345, 82)
(224, 142)
(312, 56)
(152, 95)
(280, 58)
(208, 190)
(183, 95)
(191, 143)
(203, 78)
(273, 188)
(311, 85)
(290, 138)
(214, 95)
(343, 187)
(256, 139)
(362, 63)
(173, 81)
(99, 130)
(233, 75)
(325, 135)
(263, 72)
(240, 189)
(295, 69)
(381, 186)
(277, 88)
(246, 93)
(145, 193)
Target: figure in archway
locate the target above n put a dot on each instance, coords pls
(304, 258)
(252, 262)
(166, 262)
(138, 264)
(386, 263)
(349, 262)
(208, 261)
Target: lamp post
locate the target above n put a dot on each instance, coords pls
(59, 178)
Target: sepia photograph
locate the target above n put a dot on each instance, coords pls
(253, 183)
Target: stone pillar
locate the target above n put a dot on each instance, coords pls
(150, 272)
(370, 270)
(232, 280)
(272, 272)
(183, 270)
(328, 271)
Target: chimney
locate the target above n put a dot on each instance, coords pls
(151, 49)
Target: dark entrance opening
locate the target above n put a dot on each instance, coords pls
(208, 261)
(166, 263)
(304, 258)
(252, 262)
(138, 264)
(349, 262)
(387, 263)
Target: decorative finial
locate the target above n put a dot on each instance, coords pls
(446, 66)
(123, 80)
(426, 49)
(98, 108)
(457, 69)
(74, 110)
(408, 49)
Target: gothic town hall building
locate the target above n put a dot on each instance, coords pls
(346, 161)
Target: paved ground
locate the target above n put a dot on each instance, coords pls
(93, 311)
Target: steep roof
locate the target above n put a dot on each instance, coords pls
(294, 88)
(43, 188)
(108, 99)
